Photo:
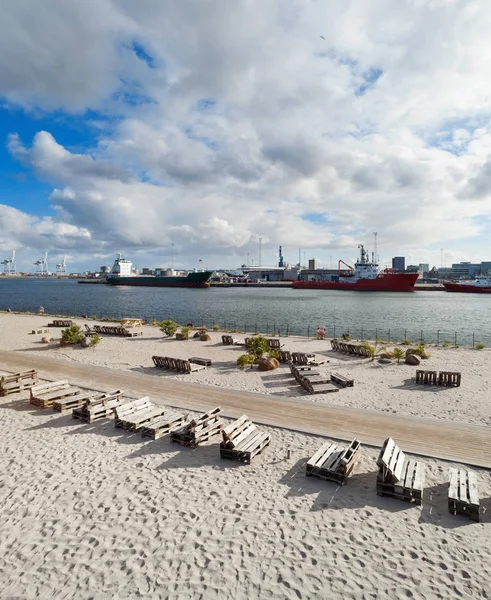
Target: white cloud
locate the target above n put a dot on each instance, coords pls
(242, 122)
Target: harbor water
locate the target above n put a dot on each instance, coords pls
(434, 317)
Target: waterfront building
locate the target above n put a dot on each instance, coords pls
(399, 263)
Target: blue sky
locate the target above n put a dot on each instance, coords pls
(137, 130)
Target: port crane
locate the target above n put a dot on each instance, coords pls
(9, 265)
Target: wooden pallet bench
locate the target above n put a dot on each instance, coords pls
(68, 404)
(227, 340)
(136, 413)
(352, 349)
(398, 477)
(242, 440)
(285, 356)
(198, 431)
(449, 378)
(342, 380)
(334, 463)
(61, 323)
(426, 377)
(318, 387)
(463, 497)
(46, 394)
(199, 360)
(131, 322)
(161, 426)
(117, 330)
(446, 378)
(39, 331)
(274, 344)
(96, 409)
(176, 364)
(17, 382)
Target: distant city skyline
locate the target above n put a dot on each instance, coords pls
(138, 131)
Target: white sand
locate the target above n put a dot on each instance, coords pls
(90, 511)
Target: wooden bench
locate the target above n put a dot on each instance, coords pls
(449, 378)
(12, 384)
(136, 413)
(301, 358)
(446, 378)
(342, 380)
(398, 477)
(463, 497)
(426, 377)
(39, 331)
(274, 344)
(96, 409)
(227, 340)
(198, 431)
(285, 356)
(160, 426)
(242, 440)
(333, 462)
(131, 322)
(66, 404)
(117, 330)
(61, 323)
(352, 349)
(198, 360)
(176, 364)
(46, 394)
(313, 387)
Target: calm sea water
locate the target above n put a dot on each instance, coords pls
(432, 316)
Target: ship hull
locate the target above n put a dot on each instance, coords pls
(192, 280)
(385, 282)
(466, 288)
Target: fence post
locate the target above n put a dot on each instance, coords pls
(376, 335)
(334, 331)
(361, 338)
(405, 334)
(255, 328)
(473, 340)
(349, 332)
(438, 338)
(308, 331)
(287, 330)
(421, 338)
(455, 339)
(389, 336)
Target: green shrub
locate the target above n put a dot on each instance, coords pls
(371, 349)
(258, 346)
(203, 331)
(407, 342)
(216, 327)
(95, 339)
(168, 327)
(419, 351)
(445, 344)
(72, 335)
(185, 332)
(398, 353)
(245, 360)
(480, 346)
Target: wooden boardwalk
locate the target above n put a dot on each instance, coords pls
(459, 442)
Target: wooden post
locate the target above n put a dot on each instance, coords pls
(438, 337)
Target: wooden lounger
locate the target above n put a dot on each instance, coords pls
(319, 388)
(96, 409)
(333, 462)
(227, 340)
(198, 431)
(11, 384)
(446, 378)
(46, 394)
(398, 477)
(274, 344)
(136, 413)
(176, 364)
(463, 497)
(161, 426)
(242, 440)
(341, 380)
(61, 323)
(66, 404)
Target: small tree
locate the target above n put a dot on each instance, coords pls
(185, 333)
(372, 350)
(95, 339)
(168, 327)
(72, 335)
(216, 327)
(258, 346)
(398, 353)
(246, 360)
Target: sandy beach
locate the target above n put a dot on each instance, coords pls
(91, 511)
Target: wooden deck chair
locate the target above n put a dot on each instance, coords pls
(274, 344)
(285, 356)
(136, 413)
(85, 398)
(160, 426)
(242, 440)
(398, 477)
(227, 340)
(17, 382)
(333, 462)
(319, 387)
(200, 430)
(97, 408)
(463, 496)
(45, 394)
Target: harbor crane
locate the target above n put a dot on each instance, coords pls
(9, 265)
(61, 268)
(42, 265)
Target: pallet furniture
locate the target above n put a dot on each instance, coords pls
(342, 381)
(301, 358)
(68, 404)
(242, 440)
(160, 426)
(398, 477)
(131, 322)
(334, 463)
(117, 330)
(274, 344)
(17, 382)
(200, 430)
(312, 381)
(61, 323)
(45, 394)
(176, 364)
(285, 356)
(136, 413)
(96, 409)
(446, 378)
(313, 387)
(463, 497)
(227, 340)
(352, 349)
(39, 331)
(199, 360)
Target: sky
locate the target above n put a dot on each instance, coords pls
(195, 129)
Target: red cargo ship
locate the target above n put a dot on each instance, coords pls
(481, 285)
(364, 277)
